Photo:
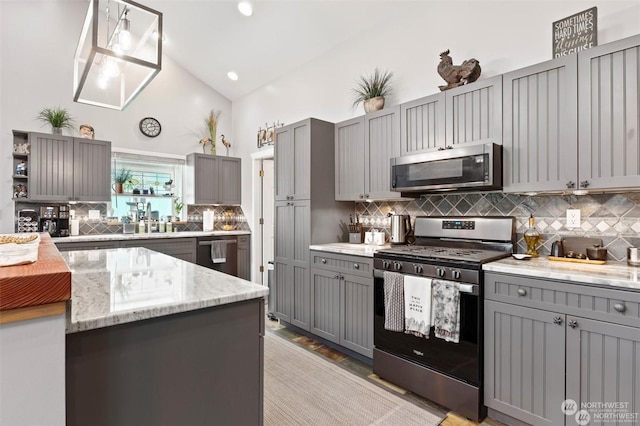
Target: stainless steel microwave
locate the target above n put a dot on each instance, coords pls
(476, 167)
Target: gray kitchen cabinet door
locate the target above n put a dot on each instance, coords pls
(293, 161)
(50, 167)
(540, 141)
(356, 314)
(350, 159)
(474, 113)
(300, 240)
(603, 365)
(229, 180)
(609, 102)
(91, 170)
(244, 257)
(422, 124)
(524, 370)
(282, 285)
(325, 304)
(382, 137)
(201, 176)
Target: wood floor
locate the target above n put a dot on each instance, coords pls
(365, 371)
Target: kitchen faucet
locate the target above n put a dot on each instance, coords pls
(149, 217)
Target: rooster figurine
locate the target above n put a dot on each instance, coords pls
(457, 75)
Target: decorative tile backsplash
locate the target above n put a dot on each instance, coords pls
(613, 217)
(224, 215)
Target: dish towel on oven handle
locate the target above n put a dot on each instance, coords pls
(219, 251)
(417, 306)
(393, 301)
(446, 310)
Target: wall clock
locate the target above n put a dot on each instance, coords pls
(150, 127)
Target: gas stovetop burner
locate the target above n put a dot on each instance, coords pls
(450, 253)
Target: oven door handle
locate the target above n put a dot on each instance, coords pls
(473, 289)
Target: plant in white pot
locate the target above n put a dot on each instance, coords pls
(371, 90)
(58, 118)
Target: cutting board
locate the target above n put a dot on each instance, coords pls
(579, 244)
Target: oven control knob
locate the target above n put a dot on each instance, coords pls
(440, 272)
(456, 275)
(385, 264)
(417, 269)
(397, 266)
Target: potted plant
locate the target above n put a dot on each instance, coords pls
(371, 89)
(211, 121)
(178, 205)
(120, 178)
(58, 118)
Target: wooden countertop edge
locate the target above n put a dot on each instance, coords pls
(32, 312)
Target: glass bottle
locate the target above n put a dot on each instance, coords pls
(532, 237)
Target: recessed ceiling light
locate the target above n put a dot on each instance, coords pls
(232, 75)
(245, 8)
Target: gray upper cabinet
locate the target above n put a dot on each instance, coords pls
(609, 129)
(64, 168)
(364, 147)
(212, 179)
(350, 161)
(540, 126)
(422, 124)
(293, 151)
(473, 113)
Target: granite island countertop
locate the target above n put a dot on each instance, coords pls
(365, 250)
(116, 286)
(612, 274)
(146, 235)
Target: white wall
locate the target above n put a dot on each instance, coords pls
(37, 44)
(502, 35)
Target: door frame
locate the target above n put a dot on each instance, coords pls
(256, 191)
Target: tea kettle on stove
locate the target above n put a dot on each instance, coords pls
(400, 228)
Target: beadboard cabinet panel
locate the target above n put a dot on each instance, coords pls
(325, 306)
(540, 126)
(51, 168)
(91, 170)
(350, 159)
(609, 93)
(422, 124)
(382, 133)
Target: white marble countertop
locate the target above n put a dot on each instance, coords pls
(365, 250)
(611, 274)
(146, 235)
(116, 286)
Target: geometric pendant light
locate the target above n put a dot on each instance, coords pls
(118, 54)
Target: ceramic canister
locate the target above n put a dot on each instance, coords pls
(633, 256)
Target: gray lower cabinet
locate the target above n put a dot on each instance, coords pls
(213, 179)
(90, 245)
(342, 300)
(181, 248)
(64, 168)
(547, 341)
(244, 257)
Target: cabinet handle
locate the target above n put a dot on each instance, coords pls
(342, 277)
(449, 147)
(584, 183)
(324, 261)
(361, 196)
(366, 195)
(572, 323)
(522, 292)
(440, 148)
(620, 307)
(571, 184)
(557, 320)
(337, 277)
(356, 266)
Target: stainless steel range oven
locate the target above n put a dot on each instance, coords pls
(446, 250)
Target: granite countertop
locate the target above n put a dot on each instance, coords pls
(612, 274)
(365, 250)
(118, 237)
(123, 285)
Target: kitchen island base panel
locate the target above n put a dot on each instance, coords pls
(196, 367)
(458, 396)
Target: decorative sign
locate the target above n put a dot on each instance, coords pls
(575, 33)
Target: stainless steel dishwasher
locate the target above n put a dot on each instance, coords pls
(219, 253)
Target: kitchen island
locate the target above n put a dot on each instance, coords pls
(152, 339)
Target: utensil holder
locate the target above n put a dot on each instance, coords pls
(355, 234)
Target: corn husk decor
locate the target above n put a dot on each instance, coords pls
(211, 121)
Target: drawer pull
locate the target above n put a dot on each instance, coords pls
(324, 260)
(356, 266)
(336, 277)
(522, 292)
(572, 323)
(620, 307)
(557, 320)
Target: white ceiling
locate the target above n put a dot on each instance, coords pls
(210, 37)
